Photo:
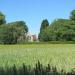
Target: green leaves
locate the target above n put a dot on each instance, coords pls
(10, 33)
(59, 29)
(44, 25)
(2, 18)
(72, 17)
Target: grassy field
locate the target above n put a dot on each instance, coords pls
(60, 55)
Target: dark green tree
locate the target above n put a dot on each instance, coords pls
(20, 30)
(44, 25)
(13, 32)
(59, 30)
(2, 18)
(72, 17)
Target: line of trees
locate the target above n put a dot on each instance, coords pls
(58, 30)
(12, 33)
(39, 69)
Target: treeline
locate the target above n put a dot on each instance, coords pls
(12, 33)
(39, 69)
(58, 30)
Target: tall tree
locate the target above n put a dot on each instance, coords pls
(2, 18)
(44, 24)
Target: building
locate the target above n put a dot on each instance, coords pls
(31, 38)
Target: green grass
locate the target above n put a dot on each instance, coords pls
(60, 55)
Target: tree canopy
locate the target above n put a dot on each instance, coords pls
(72, 17)
(2, 18)
(12, 33)
(60, 30)
(44, 25)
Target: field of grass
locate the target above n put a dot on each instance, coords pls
(60, 55)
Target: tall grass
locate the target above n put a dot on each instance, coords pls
(39, 69)
(60, 55)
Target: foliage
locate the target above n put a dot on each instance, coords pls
(2, 18)
(44, 25)
(60, 30)
(72, 17)
(12, 33)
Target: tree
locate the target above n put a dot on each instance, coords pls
(12, 32)
(72, 17)
(44, 25)
(20, 30)
(59, 30)
(62, 29)
(2, 18)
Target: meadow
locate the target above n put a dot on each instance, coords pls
(60, 55)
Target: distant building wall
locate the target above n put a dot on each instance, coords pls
(31, 38)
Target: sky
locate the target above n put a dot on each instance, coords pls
(34, 11)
